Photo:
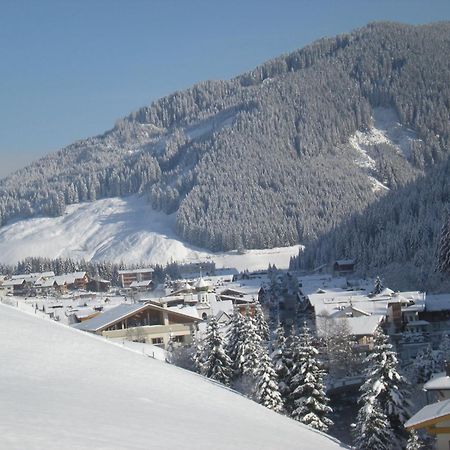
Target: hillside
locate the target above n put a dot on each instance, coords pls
(120, 230)
(274, 157)
(61, 389)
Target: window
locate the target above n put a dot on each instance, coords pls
(157, 341)
(178, 338)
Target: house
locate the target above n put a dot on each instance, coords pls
(435, 417)
(435, 420)
(18, 286)
(127, 277)
(5, 289)
(154, 324)
(344, 266)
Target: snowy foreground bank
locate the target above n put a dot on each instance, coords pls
(63, 389)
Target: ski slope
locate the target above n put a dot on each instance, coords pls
(63, 389)
(120, 229)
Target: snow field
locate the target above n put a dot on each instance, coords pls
(64, 389)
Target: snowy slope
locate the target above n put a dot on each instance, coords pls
(119, 229)
(386, 129)
(62, 389)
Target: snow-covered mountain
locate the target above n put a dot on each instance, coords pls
(63, 389)
(264, 159)
(120, 229)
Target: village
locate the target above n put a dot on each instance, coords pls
(166, 320)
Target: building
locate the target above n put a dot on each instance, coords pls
(136, 275)
(147, 323)
(344, 266)
(435, 418)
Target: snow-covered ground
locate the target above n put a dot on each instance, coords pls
(120, 229)
(63, 389)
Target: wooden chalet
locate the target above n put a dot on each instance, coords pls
(155, 324)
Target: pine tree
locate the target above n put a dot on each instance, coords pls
(444, 351)
(261, 324)
(289, 349)
(217, 364)
(373, 430)
(198, 357)
(247, 362)
(378, 286)
(267, 392)
(443, 253)
(385, 384)
(235, 337)
(414, 441)
(307, 389)
(424, 365)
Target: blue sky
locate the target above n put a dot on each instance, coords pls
(70, 69)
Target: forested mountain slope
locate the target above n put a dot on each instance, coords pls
(272, 157)
(396, 237)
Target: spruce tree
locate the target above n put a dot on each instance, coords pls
(385, 384)
(443, 253)
(444, 350)
(378, 286)
(289, 349)
(235, 337)
(414, 442)
(307, 390)
(373, 430)
(217, 364)
(267, 392)
(261, 324)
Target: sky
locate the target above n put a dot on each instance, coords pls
(70, 69)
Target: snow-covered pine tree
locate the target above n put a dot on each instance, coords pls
(198, 357)
(307, 389)
(378, 286)
(424, 365)
(444, 351)
(372, 429)
(267, 392)
(414, 442)
(385, 384)
(248, 354)
(443, 252)
(277, 347)
(289, 349)
(261, 324)
(217, 364)
(235, 337)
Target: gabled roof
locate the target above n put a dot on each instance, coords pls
(440, 382)
(429, 415)
(120, 312)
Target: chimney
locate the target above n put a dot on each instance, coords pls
(447, 368)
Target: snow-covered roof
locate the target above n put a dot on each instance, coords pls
(439, 381)
(145, 283)
(109, 317)
(118, 313)
(201, 283)
(345, 262)
(437, 302)
(46, 364)
(130, 272)
(30, 276)
(428, 414)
